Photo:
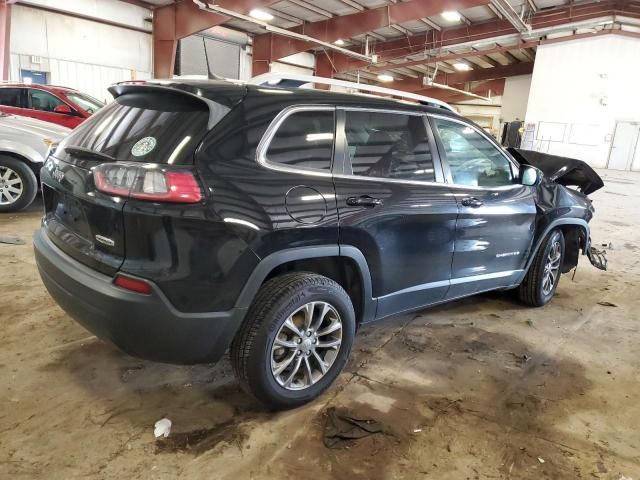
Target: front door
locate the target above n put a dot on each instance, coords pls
(394, 206)
(496, 219)
(623, 148)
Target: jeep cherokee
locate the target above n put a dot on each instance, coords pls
(191, 217)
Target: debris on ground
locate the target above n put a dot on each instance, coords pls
(541, 460)
(607, 304)
(162, 428)
(529, 322)
(343, 427)
(11, 240)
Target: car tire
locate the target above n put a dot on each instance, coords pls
(266, 341)
(541, 281)
(16, 175)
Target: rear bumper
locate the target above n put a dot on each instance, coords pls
(145, 326)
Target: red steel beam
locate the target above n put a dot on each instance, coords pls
(272, 47)
(5, 37)
(460, 78)
(452, 56)
(402, 47)
(179, 20)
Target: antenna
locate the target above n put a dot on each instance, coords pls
(210, 74)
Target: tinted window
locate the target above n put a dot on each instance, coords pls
(10, 97)
(389, 145)
(473, 159)
(163, 128)
(41, 100)
(304, 140)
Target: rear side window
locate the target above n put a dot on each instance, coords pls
(144, 127)
(43, 101)
(10, 97)
(388, 145)
(304, 140)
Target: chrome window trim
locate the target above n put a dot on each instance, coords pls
(486, 137)
(263, 145)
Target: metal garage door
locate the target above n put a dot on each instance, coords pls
(224, 57)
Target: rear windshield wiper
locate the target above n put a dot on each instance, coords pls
(88, 153)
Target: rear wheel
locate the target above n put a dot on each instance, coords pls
(18, 184)
(295, 340)
(542, 279)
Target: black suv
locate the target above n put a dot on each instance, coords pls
(186, 218)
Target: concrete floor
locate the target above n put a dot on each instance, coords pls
(451, 385)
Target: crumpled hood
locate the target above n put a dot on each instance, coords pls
(562, 170)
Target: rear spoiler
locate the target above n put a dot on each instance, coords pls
(216, 110)
(563, 170)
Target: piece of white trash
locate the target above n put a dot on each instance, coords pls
(162, 428)
(541, 460)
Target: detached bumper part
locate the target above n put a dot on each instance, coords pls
(145, 326)
(597, 257)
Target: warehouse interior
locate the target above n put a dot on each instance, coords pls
(480, 387)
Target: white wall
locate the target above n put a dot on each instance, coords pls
(515, 98)
(80, 53)
(579, 90)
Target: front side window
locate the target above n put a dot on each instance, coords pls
(304, 140)
(388, 145)
(10, 97)
(473, 160)
(87, 103)
(44, 101)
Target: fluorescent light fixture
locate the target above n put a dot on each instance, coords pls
(385, 77)
(339, 42)
(451, 16)
(261, 15)
(461, 67)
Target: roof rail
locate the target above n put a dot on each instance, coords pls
(276, 79)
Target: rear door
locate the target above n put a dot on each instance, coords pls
(394, 207)
(135, 132)
(496, 220)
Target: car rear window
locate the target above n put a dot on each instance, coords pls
(147, 127)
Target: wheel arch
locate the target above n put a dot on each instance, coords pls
(344, 264)
(34, 165)
(569, 227)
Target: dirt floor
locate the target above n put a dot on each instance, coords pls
(479, 388)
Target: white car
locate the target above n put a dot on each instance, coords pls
(24, 146)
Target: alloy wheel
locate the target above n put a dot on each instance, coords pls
(551, 268)
(306, 345)
(11, 186)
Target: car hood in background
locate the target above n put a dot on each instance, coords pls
(45, 130)
(562, 170)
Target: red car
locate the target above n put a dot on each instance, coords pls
(61, 105)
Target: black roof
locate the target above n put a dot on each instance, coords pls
(228, 93)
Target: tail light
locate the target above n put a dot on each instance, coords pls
(147, 182)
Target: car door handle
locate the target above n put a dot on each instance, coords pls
(472, 202)
(364, 201)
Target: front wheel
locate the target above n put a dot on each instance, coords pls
(541, 281)
(295, 340)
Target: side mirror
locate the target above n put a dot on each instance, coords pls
(530, 175)
(64, 109)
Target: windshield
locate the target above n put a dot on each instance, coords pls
(87, 103)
